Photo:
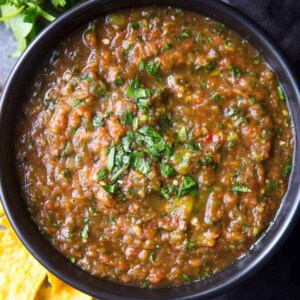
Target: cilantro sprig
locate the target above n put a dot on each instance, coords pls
(22, 17)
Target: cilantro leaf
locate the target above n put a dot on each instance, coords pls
(85, 232)
(140, 163)
(98, 120)
(280, 93)
(128, 117)
(110, 188)
(101, 175)
(187, 186)
(57, 3)
(165, 192)
(167, 170)
(111, 159)
(151, 68)
(238, 187)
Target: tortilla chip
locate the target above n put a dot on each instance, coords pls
(59, 291)
(1, 208)
(20, 274)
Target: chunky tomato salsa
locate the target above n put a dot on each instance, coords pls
(155, 147)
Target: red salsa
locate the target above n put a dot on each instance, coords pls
(155, 147)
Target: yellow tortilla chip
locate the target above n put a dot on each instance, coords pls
(20, 274)
(60, 291)
(1, 208)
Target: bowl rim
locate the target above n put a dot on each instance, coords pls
(272, 245)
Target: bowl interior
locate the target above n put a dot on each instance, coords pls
(16, 91)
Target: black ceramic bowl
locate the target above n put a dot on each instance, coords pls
(15, 91)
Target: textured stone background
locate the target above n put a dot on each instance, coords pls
(7, 46)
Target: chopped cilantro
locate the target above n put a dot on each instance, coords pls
(182, 134)
(145, 284)
(211, 65)
(118, 81)
(177, 11)
(71, 259)
(128, 117)
(85, 232)
(203, 84)
(98, 120)
(101, 175)
(153, 139)
(235, 71)
(167, 170)
(238, 187)
(110, 188)
(135, 123)
(140, 163)
(167, 47)
(67, 174)
(187, 186)
(138, 93)
(112, 219)
(252, 99)
(111, 159)
(186, 277)
(185, 34)
(165, 192)
(165, 121)
(287, 167)
(215, 96)
(141, 65)
(256, 59)
(151, 257)
(136, 25)
(76, 103)
(280, 93)
(86, 76)
(143, 104)
(151, 68)
(126, 51)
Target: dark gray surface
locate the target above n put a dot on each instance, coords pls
(7, 47)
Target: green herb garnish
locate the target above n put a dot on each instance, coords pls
(186, 277)
(238, 187)
(98, 120)
(118, 81)
(185, 34)
(203, 84)
(110, 188)
(151, 68)
(167, 170)
(256, 59)
(136, 25)
(76, 103)
(235, 71)
(165, 192)
(111, 159)
(67, 174)
(280, 93)
(85, 232)
(287, 168)
(167, 47)
(140, 163)
(101, 175)
(128, 117)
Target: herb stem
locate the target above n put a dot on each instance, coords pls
(14, 14)
(45, 15)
